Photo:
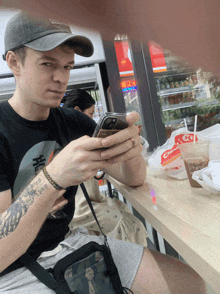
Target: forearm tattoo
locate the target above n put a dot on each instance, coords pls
(10, 219)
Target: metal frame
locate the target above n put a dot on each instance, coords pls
(149, 104)
(8, 75)
(101, 87)
(117, 100)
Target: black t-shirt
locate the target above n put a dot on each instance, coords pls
(25, 147)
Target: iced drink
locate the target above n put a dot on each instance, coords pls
(195, 157)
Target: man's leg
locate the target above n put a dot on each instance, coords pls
(162, 274)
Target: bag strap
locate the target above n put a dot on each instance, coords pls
(64, 142)
(43, 275)
(92, 209)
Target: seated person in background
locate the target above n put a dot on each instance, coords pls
(115, 218)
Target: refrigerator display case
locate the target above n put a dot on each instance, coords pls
(184, 91)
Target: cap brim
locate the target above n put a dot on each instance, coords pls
(81, 45)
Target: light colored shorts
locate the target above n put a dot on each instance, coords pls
(127, 257)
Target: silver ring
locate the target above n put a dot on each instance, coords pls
(133, 142)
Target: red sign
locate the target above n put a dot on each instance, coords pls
(157, 58)
(124, 58)
(128, 83)
(171, 154)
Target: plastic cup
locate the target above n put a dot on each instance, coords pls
(195, 157)
(214, 149)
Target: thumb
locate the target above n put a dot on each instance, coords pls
(132, 117)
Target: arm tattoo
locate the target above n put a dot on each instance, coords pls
(10, 219)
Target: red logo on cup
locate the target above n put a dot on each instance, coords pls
(171, 154)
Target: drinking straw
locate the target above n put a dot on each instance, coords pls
(195, 126)
(185, 123)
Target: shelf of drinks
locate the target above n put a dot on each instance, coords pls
(203, 123)
(179, 122)
(189, 104)
(174, 91)
(177, 106)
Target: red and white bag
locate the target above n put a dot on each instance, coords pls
(167, 158)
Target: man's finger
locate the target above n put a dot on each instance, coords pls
(131, 153)
(117, 150)
(58, 206)
(120, 137)
(132, 117)
(87, 143)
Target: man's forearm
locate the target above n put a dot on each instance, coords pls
(131, 172)
(21, 223)
(134, 171)
(40, 192)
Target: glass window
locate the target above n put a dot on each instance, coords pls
(98, 104)
(184, 91)
(127, 83)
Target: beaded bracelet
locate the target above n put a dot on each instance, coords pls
(53, 183)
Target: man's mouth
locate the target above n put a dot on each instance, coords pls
(57, 92)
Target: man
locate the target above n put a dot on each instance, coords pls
(40, 55)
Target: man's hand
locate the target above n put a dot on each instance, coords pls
(126, 143)
(81, 159)
(127, 164)
(58, 204)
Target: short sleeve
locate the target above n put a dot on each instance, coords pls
(78, 123)
(5, 164)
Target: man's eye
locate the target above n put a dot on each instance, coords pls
(68, 67)
(47, 64)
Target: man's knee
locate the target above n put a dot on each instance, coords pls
(159, 273)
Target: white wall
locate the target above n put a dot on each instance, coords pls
(4, 17)
(94, 36)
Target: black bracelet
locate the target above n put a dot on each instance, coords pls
(53, 183)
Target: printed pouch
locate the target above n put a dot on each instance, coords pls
(89, 270)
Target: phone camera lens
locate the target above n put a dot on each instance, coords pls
(110, 126)
(108, 121)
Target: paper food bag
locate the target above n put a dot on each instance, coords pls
(167, 158)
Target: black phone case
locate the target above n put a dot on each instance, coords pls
(120, 123)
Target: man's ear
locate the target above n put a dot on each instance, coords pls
(77, 108)
(13, 62)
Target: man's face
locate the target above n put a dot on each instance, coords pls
(44, 76)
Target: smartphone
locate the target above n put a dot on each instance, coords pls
(109, 124)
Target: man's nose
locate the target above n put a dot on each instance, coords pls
(61, 76)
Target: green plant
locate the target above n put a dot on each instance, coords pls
(206, 109)
(176, 114)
